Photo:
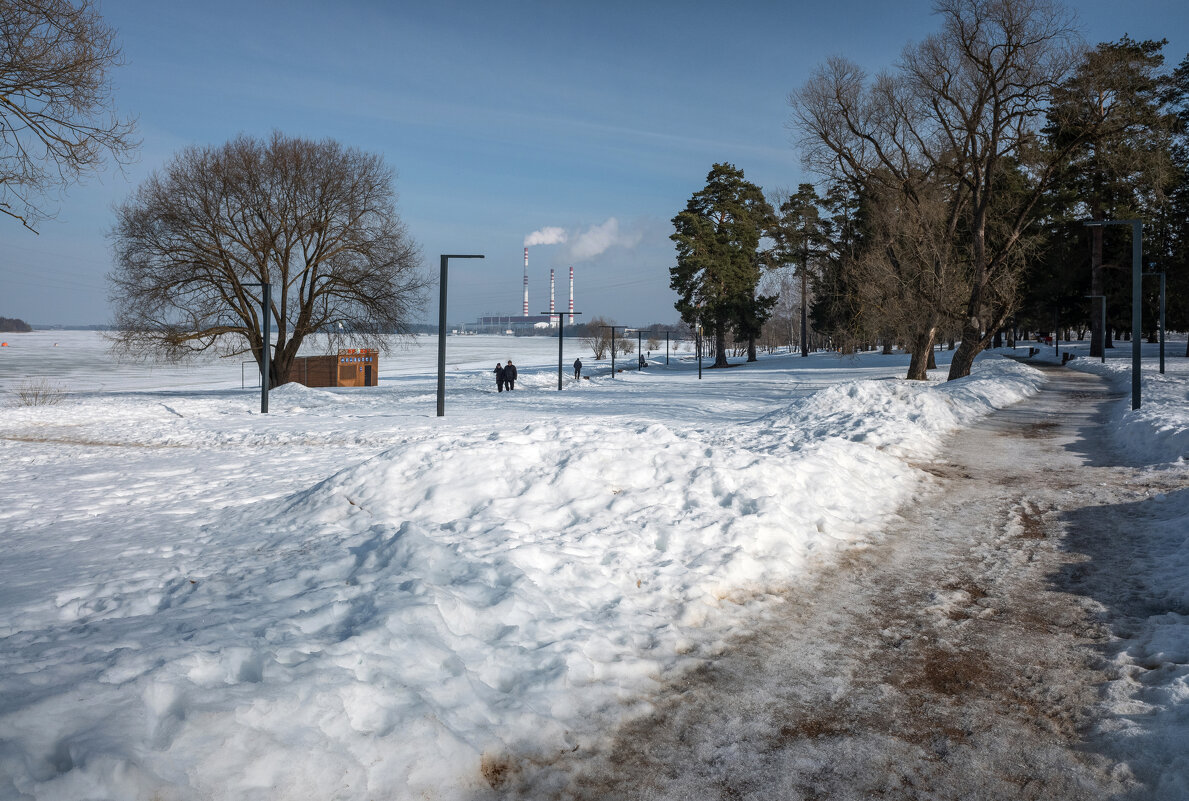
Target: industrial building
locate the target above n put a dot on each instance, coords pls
(525, 322)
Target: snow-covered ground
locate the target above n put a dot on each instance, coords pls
(351, 598)
(1146, 706)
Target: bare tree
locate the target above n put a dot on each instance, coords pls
(966, 106)
(910, 275)
(314, 219)
(598, 337)
(56, 117)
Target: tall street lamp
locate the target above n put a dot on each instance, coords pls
(266, 324)
(561, 326)
(1137, 279)
(614, 343)
(442, 331)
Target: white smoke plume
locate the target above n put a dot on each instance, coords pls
(598, 238)
(546, 236)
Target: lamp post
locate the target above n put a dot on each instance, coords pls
(266, 324)
(442, 330)
(561, 325)
(1137, 249)
(1161, 274)
(613, 344)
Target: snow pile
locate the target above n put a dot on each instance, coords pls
(1158, 431)
(392, 627)
(1147, 706)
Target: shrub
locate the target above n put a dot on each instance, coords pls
(39, 393)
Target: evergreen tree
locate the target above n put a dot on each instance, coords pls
(718, 258)
(835, 310)
(1112, 109)
(801, 239)
(1172, 229)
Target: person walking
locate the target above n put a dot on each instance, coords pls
(499, 377)
(577, 368)
(510, 375)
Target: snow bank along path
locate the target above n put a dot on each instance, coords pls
(180, 621)
(962, 655)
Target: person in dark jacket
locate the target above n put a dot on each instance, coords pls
(577, 368)
(510, 375)
(500, 377)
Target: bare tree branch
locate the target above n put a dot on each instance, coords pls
(56, 117)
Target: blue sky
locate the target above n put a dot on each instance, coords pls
(500, 119)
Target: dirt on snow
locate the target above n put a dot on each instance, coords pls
(958, 657)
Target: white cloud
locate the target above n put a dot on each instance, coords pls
(551, 235)
(598, 238)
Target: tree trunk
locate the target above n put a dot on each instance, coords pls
(751, 349)
(964, 356)
(804, 323)
(720, 345)
(922, 350)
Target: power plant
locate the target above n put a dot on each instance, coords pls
(521, 323)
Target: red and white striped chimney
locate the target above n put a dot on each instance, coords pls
(571, 294)
(525, 312)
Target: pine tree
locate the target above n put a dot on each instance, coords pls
(801, 238)
(718, 258)
(1121, 166)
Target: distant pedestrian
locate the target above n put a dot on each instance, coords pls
(577, 368)
(510, 375)
(500, 377)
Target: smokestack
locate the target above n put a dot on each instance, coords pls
(571, 294)
(525, 313)
(551, 296)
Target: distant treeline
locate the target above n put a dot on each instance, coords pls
(11, 324)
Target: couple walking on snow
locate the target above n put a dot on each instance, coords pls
(505, 375)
